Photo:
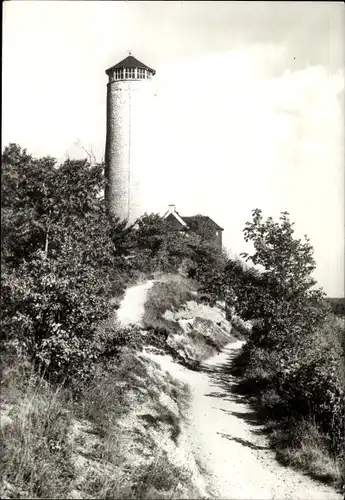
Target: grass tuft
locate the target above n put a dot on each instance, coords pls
(35, 450)
(168, 294)
(303, 447)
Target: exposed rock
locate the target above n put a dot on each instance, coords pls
(167, 402)
(5, 420)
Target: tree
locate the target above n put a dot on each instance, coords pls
(249, 287)
(42, 201)
(151, 233)
(61, 253)
(157, 247)
(207, 267)
(287, 261)
(25, 189)
(292, 372)
(288, 305)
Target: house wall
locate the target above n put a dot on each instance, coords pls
(128, 148)
(218, 238)
(174, 224)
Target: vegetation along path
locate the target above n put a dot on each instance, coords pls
(229, 442)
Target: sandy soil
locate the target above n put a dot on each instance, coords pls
(132, 306)
(228, 441)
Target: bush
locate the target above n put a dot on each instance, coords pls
(305, 386)
(337, 305)
(155, 247)
(165, 295)
(241, 329)
(50, 313)
(302, 446)
(63, 257)
(293, 362)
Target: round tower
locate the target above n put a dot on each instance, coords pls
(128, 135)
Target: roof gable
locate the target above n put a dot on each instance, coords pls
(174, 223)
(176, 216)
(188, 222)
(196, 218)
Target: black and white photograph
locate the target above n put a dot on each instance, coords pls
(173, 250)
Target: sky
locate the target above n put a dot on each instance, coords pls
(249, 104)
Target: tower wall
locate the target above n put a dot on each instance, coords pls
(129, 113)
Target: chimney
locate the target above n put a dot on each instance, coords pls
(172, 208)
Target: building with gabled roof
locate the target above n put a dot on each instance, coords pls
(178, 222)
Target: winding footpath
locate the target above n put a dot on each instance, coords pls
(229, 443)
(226, 438)
(132, 306)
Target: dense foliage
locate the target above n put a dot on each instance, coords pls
(296, 372)
(60, 253)
(157, 247)
(337, 305)
(63, 257)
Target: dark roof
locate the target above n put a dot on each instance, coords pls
(195, 218)
(174, 223)
(130, 62)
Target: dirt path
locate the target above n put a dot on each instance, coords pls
(228, 441)
(132, 306)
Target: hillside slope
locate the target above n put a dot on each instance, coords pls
(150, 427)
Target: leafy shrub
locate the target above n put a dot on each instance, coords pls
(155, 247)
(51, 315)
(302, 446)
(114, 338)
(240, 328)
(165, 295)
(337, 305)
(61, 255)
(293, 362)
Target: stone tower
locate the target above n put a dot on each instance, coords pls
(128, 136)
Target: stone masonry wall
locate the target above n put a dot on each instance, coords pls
(129, 135)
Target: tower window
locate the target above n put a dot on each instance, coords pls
(130, 73)
(118, 74)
